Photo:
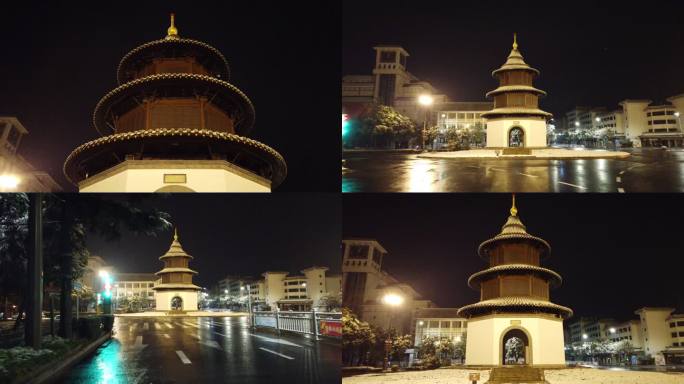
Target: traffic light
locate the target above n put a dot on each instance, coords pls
(345, 124)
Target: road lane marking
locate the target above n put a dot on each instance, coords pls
(276, 353)
(497, 169)
(211, 343)
(183, 358)
(621, 173)
(167, 335)
(618, 179)
(192, 325)
(134, 326)
(169, 325)
(146, 326)
(280, 341)
(526, 174)
(572, 185)
(621, 190)
(157, 326)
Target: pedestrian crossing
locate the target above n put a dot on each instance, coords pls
(159, 325)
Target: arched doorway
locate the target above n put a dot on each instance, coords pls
(516, 137)
(515, 348)
(177, 303)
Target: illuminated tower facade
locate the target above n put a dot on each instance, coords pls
(514, 302)
(176, 292)
(516, 120)
(174, 124)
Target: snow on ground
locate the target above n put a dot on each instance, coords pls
(546, 153)
(553, 376)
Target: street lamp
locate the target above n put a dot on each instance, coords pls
(585, 336)
(612, 330)
(393, 300)
(9, 182)
(426, 101)
(679, 121)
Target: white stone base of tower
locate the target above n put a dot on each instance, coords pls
(485, 338)
(163, 299)
(175, 176)
(534, 132)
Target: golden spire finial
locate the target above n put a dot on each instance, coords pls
(514, 210)
(175, 234)
(172, 32)
(515, 40)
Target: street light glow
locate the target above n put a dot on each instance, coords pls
(584, 336)
(676, 114)
(598, 119)
(425, 100)
(576, 123)
(9, 181)
(393, 299)
(612, 330)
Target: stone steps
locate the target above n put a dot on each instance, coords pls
(521, 374)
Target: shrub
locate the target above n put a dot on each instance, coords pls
(430, 362)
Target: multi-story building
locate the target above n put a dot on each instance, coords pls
(625, 331)
(441, 323)
(577, 328)
(366, 288)
(460, 116)
(391, 84)
(17, 174)
(279, 289)
(664, 127)
(656, 336)
(611, 123)
(135, 285)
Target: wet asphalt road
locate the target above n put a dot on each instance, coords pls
(206, 350)
(647, 170)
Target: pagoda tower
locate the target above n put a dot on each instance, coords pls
(514, 301)
(176, 292)
(174, 124)
(516, 120)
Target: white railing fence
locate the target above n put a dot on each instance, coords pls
(328, 324)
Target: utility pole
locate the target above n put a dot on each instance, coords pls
(34, 315)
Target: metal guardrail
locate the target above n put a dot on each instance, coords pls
(328, 324)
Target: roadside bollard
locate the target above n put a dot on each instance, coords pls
(474, 377)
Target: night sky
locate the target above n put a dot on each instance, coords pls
(616, 253)
(594, 53)
(236, 235)
(59, 58)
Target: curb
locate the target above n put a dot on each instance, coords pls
(531, 157)
(53, 372)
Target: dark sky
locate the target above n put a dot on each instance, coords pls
(616, 253)
(236, 234)
(593, 53)
(60, 57)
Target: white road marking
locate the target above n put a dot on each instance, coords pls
(497, 169)
(169, 325)
(167, 335)
(525, 174)
(133, 327)
(618, 179)
(279, 341)
(621, 190)
(146, 326)
(572, 185)
(192, 325)
(276, 353)
(157, 325)
(621, 173)
(211, 343)
(183, 358)
(138, 341)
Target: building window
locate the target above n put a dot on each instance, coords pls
(358, 251)
(672, 324)
(673, 334)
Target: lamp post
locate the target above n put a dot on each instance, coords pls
(393, 300)
(426, 101)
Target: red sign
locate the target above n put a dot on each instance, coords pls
(331, 328)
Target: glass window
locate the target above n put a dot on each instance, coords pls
(680, 323)
(461, 116)
(469, 116)
(452, 115)
(445, 324)
(672, 324)
(456, 324)
(433, 324)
